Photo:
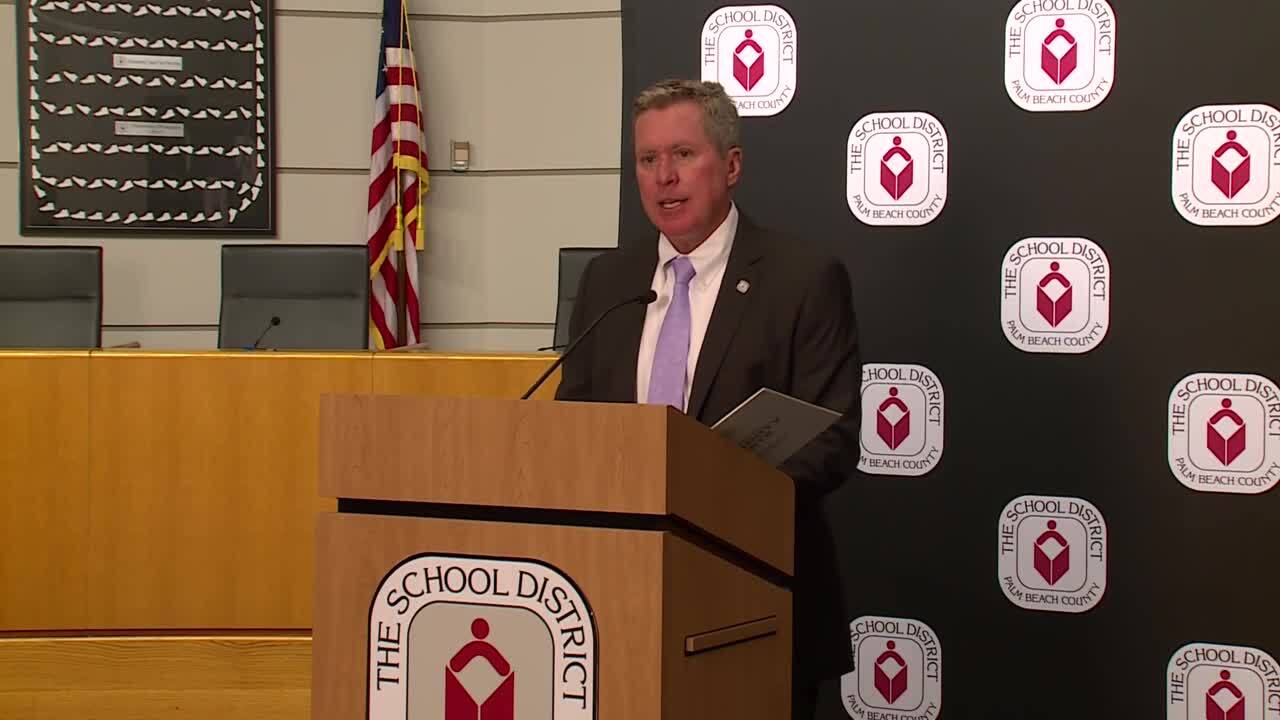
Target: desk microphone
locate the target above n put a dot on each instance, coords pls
(275, 320)
(648, 297)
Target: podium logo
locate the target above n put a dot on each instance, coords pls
(897, 670)
(1224, 433)
(751, 51)
(462, 701)
(1226, 165)
(465, 638)
(1060, 55)
(1055, 295)
(897, 168)
(1053, 553)
(1223, 682)
(902, 419)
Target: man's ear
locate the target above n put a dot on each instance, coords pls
(734, 162)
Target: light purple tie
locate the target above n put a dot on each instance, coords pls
(671, 358)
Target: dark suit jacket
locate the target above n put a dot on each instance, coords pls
(794, 331)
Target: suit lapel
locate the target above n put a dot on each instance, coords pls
(638, 277)
(727, 314)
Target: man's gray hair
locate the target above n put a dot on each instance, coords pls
(719, 116)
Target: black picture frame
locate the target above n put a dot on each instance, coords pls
(139, 120)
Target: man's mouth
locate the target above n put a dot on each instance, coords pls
(670, 204)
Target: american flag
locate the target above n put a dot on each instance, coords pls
(397, 183)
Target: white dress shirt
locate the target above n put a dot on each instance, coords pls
(709, 260)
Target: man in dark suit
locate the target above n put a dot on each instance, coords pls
(739, 308)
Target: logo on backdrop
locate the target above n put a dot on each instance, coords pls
(1224, 433)
(1060, 55)
(1226, 165)
(1053, 553)
(902, 419)
(461, 638)
(751, 51)
(1055, 295)
(897, 670)
(897, 168)
(1223, 682)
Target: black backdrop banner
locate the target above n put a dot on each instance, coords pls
(1057, 215)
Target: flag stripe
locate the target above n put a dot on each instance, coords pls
(404, 112)
(379, 200)
(399, 75)
(381, 132)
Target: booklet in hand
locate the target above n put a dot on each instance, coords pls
(773, 425)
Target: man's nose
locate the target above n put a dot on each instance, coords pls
(667, 172)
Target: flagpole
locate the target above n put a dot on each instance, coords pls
(407, 41)
(402, 335)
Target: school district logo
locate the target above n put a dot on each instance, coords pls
(1224, 433)
(1223, 682)
(751, 51)
(897, 168)
(897, 670)
(902, 419)
(1055, 295)
(1226, 165)
(463, 638)
(1060, 55)
(1053, 553)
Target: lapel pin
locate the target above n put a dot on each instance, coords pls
(743, 286)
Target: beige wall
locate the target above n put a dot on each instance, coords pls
(534, 85)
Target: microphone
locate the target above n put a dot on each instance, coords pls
(275, 320)
(644, 299)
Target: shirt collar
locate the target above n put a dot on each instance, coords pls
(711, 255)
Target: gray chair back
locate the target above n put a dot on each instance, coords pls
(50, 296)
(573, 260)
(319, 292)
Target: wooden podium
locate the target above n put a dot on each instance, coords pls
(537, 560)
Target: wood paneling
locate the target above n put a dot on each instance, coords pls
(617, 571)
(196, 507)
(474, 375)
(156, 678)
(702, 593)
(505, 453)
(596, 457)
(710, 469)
(44, 481)
(203, 486)
(44, 488)
(648, 592)
(182, 487)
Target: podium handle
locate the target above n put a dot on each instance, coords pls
(732, 635)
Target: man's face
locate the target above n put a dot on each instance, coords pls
(684, 180)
